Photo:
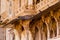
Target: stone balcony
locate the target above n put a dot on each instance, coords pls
(22, 11)
(45, 4)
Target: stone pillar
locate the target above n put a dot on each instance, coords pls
(2, 33)
(17, 36)
(57, 26)
(48, 31)
(23, 4)
(13, 33)
(3, 5)
(10, 9)
(47, 21)
(18, 30)
(19, 3)
(30, 4)
(38, 34)
(26, 34)
(9, 34)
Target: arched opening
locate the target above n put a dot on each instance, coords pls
(44, 31)
(53, 28)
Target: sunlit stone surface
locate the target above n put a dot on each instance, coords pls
(17, 24)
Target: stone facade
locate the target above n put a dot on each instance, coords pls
(22, 20)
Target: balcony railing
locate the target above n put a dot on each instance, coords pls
(20, 11)
(42, 5)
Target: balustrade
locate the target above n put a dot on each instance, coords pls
(16, 8)
(42, 5)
